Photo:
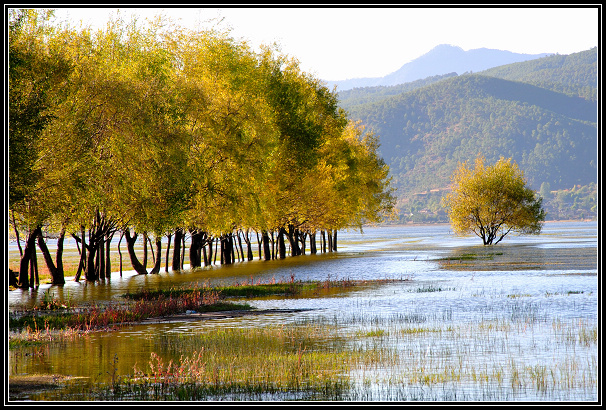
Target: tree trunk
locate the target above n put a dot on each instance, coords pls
(281, 244)
(334, 241)
(227, 249)
(259, 246)
(130, 245)
(83, 258)
(217, 242)
(17, 234)
(33, 270)
(266, 249)
(108, 263)
(26, 259)
(144, 263)
(60, 279)
(210, 251)
(303, 236)
(120, 251)
(170, 236)
(90, 271)
(177, 251)
(101, 259)
(312, 242)
(241, 248)
(158, 261)
(292, 239)
(182, 249)
(249, 252)
(323, 239)
(195, 247)
(56, 272)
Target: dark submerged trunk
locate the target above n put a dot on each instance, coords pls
(241, 257)
(145, 239)
(266, 248)
(83, 258)
(158, 261)
(249, 252)
(227, 251)
(210, 252)
(334, 241)
(101, 260)
(170, 236)
(108, 264)
(177, 251)
(120, 251)
(195, 249)
(281, 244)
(33, 270)
(312, 243)
(130, 245)
(295, 250)
(89, 271)
(26, 259)
(56, 271)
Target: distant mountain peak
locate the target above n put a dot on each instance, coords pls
(442, 59)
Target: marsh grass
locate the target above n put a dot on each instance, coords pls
(275, 361)
(104, 317)
(394, 359)
(250, 289)
(482, 358)
(405, 356)
(56, 314)
(430, 288)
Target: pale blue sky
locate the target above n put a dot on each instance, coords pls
(341, 43)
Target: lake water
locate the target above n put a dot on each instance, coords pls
(522, 308)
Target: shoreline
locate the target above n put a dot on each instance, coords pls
(226, 314)
(12, 237)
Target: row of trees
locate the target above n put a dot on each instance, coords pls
(158, 130)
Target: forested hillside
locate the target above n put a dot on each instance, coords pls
(542, 113)
(574, 74)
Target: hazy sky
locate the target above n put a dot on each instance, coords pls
(341, 43)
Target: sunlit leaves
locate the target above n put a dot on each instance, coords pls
(158, 127)
(491, 201)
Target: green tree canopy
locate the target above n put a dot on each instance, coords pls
(491, 201)
(158, 129)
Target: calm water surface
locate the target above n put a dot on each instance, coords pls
(534, 284)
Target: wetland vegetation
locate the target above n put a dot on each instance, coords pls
(410, 323)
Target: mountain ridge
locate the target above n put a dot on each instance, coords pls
(440, 60)
(542, 113)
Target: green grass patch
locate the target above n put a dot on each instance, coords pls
(248, 290)
(470, 257)
(372, 333)
(292, 362)
(425, 289)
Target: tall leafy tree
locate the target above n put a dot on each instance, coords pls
(37, 73)
(492, 201)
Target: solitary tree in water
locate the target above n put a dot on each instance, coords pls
(491, 201)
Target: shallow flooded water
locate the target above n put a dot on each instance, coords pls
(512, 322)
